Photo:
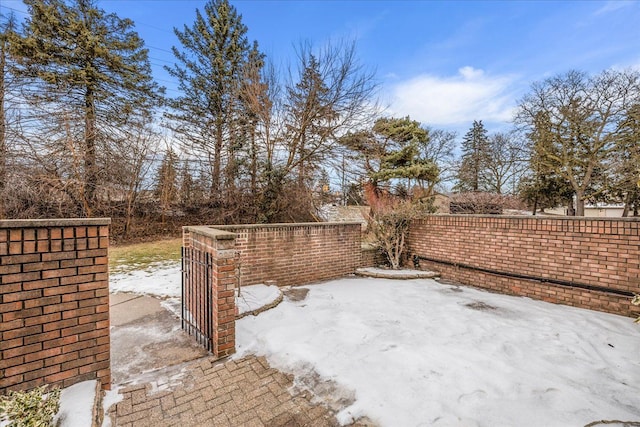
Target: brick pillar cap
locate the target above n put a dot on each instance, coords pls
(210, 232)
(56, 222)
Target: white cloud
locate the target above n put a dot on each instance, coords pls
(612, 6)
(469, 95)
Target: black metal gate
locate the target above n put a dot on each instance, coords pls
(197, 298)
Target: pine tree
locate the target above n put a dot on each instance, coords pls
(6, 27)
(90, 73)
(474, 156)
(256, 108)
(209, 67)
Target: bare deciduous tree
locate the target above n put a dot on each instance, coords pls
(576, 120)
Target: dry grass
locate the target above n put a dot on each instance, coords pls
(141, 255)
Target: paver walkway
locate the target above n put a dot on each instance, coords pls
(245, 392)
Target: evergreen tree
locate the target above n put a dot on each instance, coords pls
(475, 148)
(254, 97)
(210, 64)
(90, 73)
(394, 149)
(543, 187)
(6, 27)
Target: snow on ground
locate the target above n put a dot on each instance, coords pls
(389, 272)
(110, 398)
(256, 296)
(158, 279)
(418, 352)
(76, 405)
(164, 280)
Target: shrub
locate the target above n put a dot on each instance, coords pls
(636, 301)
(35, 408)
(390, 227)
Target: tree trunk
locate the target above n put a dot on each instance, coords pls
(91, 175)
(579, 203)
(625, 211)
(3, 129)
(571, 210)
(254, 162)
(217, 154)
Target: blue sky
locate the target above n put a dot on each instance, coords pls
(444, 63)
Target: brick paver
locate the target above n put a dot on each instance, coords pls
(245, 392)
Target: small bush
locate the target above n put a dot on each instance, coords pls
(35, 408)
(390, 227)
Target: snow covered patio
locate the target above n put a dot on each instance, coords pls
(423, 352)
(419, 352)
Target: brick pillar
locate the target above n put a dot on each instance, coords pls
(225, 281)
(54, 302)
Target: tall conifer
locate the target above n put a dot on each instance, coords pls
(90, 73)
(209, 66)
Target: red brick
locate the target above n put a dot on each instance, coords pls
(21, 369)
(86, 278)
(22, 351)
(95, 333)
(46, 318)
(61, 324)
(61, 358)
(15, 234)
(59, 255)
(78, 362)
(20, 277)
(46, 336)
(93, 253)
(43, 301)
(7, 382)
(76, 330)
(40, 373)
(9, 269)
(20, 333)
(12, 324)
(12, 306)
(22, 296)
(76, 262)
(40, 284)
(38, 266)
(78, 345)
(61, 342)
(62, 272)
(6, 362)
(61, 376)
(58, 290)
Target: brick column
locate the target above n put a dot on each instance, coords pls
(54, 302)
(223, 281)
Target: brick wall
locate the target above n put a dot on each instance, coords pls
(296, 254)
(54, 302)
(288, 254)
(373, 257)
(595, 261)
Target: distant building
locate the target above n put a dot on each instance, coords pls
(592, 211)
